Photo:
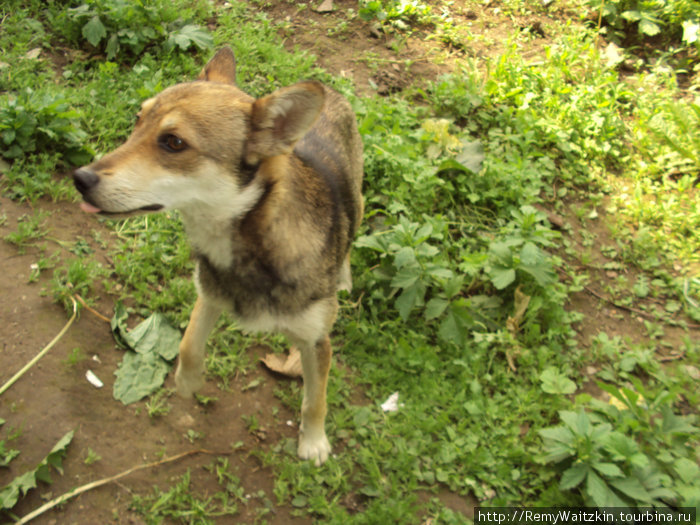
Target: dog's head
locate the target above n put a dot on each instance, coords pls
(199, 144)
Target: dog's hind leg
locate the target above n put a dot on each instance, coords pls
(190, 368)
(316, 363)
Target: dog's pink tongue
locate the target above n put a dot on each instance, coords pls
(89, 208)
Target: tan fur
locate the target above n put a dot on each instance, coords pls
(270, 195)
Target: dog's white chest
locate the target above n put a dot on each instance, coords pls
(208, 219)
(211, 240)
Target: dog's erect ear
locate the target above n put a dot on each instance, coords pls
(221, 68)
(280, 119)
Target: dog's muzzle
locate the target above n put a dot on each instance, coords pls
(85, 179)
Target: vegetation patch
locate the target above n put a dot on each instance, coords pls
(526, 275)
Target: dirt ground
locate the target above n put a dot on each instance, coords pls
(387, 62)
(55, 397)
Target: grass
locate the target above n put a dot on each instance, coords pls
(463, 285)
(30, 230)
(181, 503)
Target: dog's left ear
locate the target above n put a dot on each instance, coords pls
(221, 67)
(280, 119)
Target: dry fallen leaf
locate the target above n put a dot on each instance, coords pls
(289, 366)
(522, 301)
(513, 324)
(33, 54)
(325, 7)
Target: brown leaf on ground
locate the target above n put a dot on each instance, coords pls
(289, 365)
(325, 7)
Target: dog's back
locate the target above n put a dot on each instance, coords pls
(292, 248)
(333, 147)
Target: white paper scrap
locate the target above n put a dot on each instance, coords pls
(93, 379)
(392, 403)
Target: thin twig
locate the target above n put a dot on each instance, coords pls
(425, 58)
(43, 352)
(89, 486)
(634, 310)
(92, 310)
(358, 302)
(631, 309)
(618, 305)
(511, 361)
(670, 357)
(600, 21)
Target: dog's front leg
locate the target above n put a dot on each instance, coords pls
(316, 363)
(190, 369)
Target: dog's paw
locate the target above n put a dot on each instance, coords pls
(316, 448)
(187, 383)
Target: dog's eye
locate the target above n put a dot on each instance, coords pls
(172, 143)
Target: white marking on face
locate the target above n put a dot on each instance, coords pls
(125, 190)
(209, 198)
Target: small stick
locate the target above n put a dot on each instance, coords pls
(633, 310)
(43, 351)
(641, 313)
(671, 357)
(91, 310)
(618, 305)
(511, 362)
(89, 486)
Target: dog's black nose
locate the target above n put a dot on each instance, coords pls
(85, 179)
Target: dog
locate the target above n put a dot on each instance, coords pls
(270, 195)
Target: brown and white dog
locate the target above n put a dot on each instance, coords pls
(269, 191)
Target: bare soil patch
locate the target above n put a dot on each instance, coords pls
(383, 61)
(55, 397)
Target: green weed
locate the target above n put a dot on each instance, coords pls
(30, 229)
(76, 356)
(677, 126)
(181, 503)
(399, 14)
(91, 457)
(660, 200)
(630, 452)
(153, 264)
(34, 121)
(22, 37)
(157, 404)
(675, 20)
(119, 27)
(19, 486)
(192, 436)
(33, 176)
(269, 65)
(7, 454)
(77, 276)
(42, 264)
